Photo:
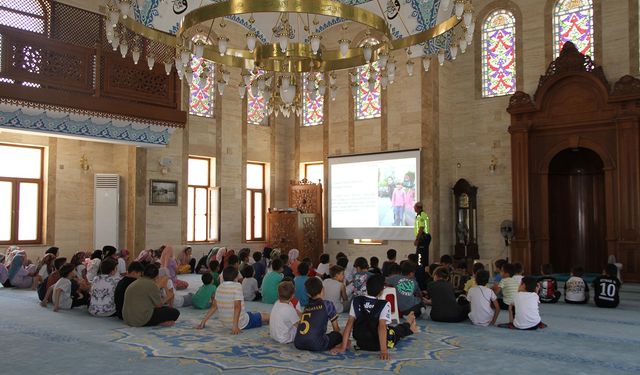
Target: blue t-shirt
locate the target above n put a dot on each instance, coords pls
(312, 329)
(301, 291)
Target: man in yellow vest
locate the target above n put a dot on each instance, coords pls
(423, 237)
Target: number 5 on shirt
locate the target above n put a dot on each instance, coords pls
(304, 323)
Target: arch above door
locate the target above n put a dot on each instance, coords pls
(575, 106)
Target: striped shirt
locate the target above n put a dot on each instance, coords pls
(509, 287)
(227, 293)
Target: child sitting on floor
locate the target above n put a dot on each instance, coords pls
(407, 289)
(548, 290)
(203, 297)
(524, 312)
(334, 289)
(497, 276)
(360, 277)
(249, 285)
(607, 287)
(284, 317)
(508, 286)
(374, 262)
(483, 301)
(517, 272)
(442, 298)
(369, 319)
(271, 281)
(323, 267)
(259, 267)
(214, 267)
(229, 300)
(298, 281)
(103, 289)
(576, 290)
(391, 260)
(472, 281)
(63, 297)
(312, 329)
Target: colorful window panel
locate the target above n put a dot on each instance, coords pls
(201, 102)
(499, 54)
(313, 110)
(573, 22)
(368, 102)
(256, 105)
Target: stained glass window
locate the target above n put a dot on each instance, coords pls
(573, 22)
(368, 99)
(256, 105)
(313, 110)
(499, 54)
(201, 102)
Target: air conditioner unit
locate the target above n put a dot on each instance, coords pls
(106, 210)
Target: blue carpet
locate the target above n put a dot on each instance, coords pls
(580, 339)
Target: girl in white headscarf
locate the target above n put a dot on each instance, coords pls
(293, 261)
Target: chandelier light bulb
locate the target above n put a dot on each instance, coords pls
(383, 58)
(114, 17)
(445, 4)
(322, 87)
(471, 28)
(313, 94)
(151, 61)
(283, 40)
(125, 8)
(467, 17)
(135, 54)
(124, 48)
(410, 65)
(223, 43)
(180, 73)
(426, 63)
(441, 57)
(226, 75)
(261, 83)
(251, 41)
(332, 79)
(246, 77)
(221, 85)
(198, 50)
(185, 55)
(167, 67)
(242, 89)
(188, 74)
(204, 76)
(333, 92)
(453, 49)
(469, 36)
(391, 67)
(458, 9)
(372, 82)
(463, 45)
(367, 51)
(267, 95)
(254, 89)
(285, 82)
(392, 77)
(315, 43)
(384, 81)
(344, 47)
(115, 42)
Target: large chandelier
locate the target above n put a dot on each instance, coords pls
(284, 38)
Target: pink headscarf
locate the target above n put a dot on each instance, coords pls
(166, 256)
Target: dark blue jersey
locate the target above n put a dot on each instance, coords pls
(607, 291)
(312, 329)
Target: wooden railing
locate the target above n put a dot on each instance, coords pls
(40, 69)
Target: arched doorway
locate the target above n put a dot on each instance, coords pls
(577, 216)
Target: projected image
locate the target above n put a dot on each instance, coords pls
(376, 194)
(396, 195)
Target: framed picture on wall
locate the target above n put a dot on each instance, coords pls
(163, 193)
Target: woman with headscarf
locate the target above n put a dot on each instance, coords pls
(93, 266)
(220, 255)
(78, 264)
(45, 268)
(186, 262)
(293, 261)
(4, 274)
(146, 257)
(168, 261)
(53, 250)
(20, 275)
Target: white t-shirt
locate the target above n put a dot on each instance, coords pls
(576, 290)
(480, 298)
(64, 284)
(43, 272)
(518, 279)
(122, 266)
(385, 314)
(332, 290)
(282, 322)
(249, 288)
(527, 310)
(323, 268)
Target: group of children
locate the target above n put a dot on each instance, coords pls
(305, 299)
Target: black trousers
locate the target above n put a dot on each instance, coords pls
(417, 310)
(192, 264)
(422, 250)
(163, 314)
(335, 338)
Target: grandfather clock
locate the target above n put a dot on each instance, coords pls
(466, 219)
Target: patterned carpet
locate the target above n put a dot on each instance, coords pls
(580, 339)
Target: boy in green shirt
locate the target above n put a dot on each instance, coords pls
(271, 281)
(203, 297)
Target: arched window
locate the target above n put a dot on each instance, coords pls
(573, 22)
(313, 109)
(202, 99)
(368, 98)
(28, 15)
(256, 105)
(499, 54)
